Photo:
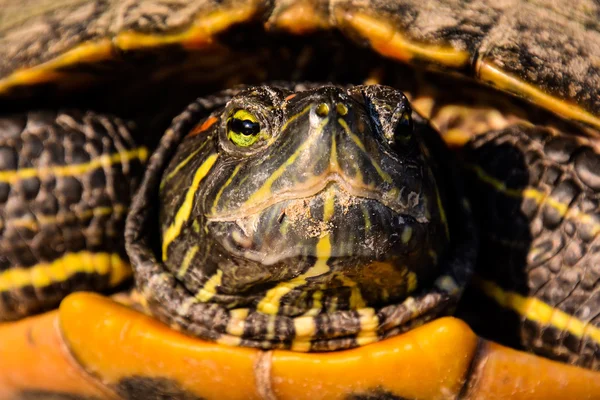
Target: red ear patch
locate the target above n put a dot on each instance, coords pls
(198, 129)
(291, 96)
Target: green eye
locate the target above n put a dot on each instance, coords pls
(243, 128)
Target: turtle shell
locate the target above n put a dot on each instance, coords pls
(546, 53)
(141, 357)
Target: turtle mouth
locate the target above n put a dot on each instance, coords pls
(350, 189)
(292, 227)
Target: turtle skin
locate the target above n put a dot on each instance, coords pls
(131, 370)
(546, 54)
(67, 183)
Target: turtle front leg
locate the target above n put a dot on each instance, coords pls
(536, 195)
(66, 181)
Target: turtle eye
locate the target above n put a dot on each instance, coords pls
(243, 128)
(404, 128)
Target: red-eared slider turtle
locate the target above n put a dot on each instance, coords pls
(292, 238)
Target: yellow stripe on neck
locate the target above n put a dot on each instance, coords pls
(187, 261)
(186, 208)
(272, 300)
(210, 287)
(182, 164)
(223, 187)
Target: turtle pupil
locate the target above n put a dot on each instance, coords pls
(244, 126)
(404, 128)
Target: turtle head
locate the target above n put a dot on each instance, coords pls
(291, 202)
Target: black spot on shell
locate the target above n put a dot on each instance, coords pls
(47, 395)
(144, 388)
(376, 394)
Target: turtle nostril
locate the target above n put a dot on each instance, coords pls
(322, 110)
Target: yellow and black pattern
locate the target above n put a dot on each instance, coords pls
(66, 181)
(260, 235)
(328, 230)
(544, 52)
(538, 205)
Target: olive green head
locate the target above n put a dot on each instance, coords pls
(303, 202)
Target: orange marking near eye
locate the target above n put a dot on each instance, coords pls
(291, 96)
(201, 128)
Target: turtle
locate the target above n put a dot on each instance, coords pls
(288, 199)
